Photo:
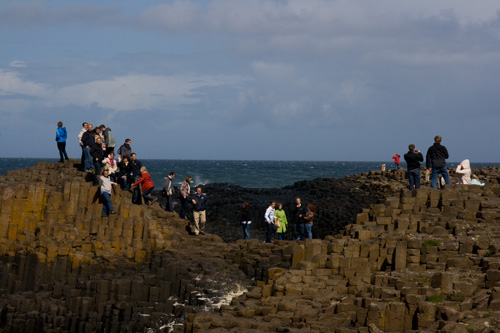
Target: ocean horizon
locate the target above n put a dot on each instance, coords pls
(244, 173)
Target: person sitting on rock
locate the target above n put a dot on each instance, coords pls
(110, 164)
(463, 169)
(147, 186)
(106, 188)
(124, 173)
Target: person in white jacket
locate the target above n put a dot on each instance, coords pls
(463, 169)
(270, 219)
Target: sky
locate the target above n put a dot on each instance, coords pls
(337, 80)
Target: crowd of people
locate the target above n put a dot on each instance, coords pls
(98, 153)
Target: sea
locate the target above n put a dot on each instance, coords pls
(248, 174)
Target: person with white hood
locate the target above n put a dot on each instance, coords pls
(463, 169)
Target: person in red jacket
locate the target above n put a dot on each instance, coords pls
(396, 157)
(147, 186)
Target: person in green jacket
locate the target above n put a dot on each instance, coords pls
(281, 216)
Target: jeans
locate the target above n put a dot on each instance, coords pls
(443, 171)
(246, 230)
(107, 205)
(200, 218)
(146, 196)
(281, 235)
(97, 172)
(414, 179)
(62, 151)
(89, 164)
(170, 206)
(297, 231)
(124, 183)
(184, 204)
(308, 227)
(269, 233)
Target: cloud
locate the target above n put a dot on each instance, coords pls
(17, 64)
(130, 92)
(39, 14)
(11, 83)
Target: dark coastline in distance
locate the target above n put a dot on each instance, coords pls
(247, 174)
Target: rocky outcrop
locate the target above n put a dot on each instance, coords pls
(421, 260)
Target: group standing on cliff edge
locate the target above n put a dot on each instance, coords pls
(436, 157)
(98, 153)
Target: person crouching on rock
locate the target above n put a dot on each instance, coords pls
(199, 201)
(270, 218)
(106, 187)
(147, 186)
(311, 211)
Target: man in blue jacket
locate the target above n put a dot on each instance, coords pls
(436, 161)
(199, 201)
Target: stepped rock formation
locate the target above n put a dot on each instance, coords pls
(417, 261)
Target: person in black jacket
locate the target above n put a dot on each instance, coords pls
(97, 155)
(413, 159)
(124, 173)
(245, 220)
(135, 166)
(298, 223)
(436, 161)
(88, 141)
(199, 201)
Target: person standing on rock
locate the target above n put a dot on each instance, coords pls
(311, 211)
(147, 186)
(109, 139)
(281, 217)
(106, 188)
(396, 157)
(61, 136)
(245, 220)
(298, 221)
(168, 189)
(185, 191)
(88, 141)
(80, 135)
(436, 161)
(135, 167)
(97, 156)
(413, 158)
(199, 201)
(125, 149)
(270, 219)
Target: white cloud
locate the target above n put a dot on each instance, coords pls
(11, 83)
(18, 64)
(131, 92)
